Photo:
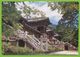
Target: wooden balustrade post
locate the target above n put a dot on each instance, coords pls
(17, 43)
(25, 44)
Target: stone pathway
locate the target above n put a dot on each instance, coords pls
(66, 52)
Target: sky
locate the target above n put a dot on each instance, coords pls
(54, 16)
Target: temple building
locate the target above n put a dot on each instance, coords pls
(37, 35)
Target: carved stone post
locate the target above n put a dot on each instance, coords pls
(41, 40)
(44, 42)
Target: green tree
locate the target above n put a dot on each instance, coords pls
(27, 11)
(10, 17)
(68, 25)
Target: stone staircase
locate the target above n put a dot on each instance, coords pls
(38, 45)
(31, 39)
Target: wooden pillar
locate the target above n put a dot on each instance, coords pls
(46, 39)
(25, 44)
(17, 43)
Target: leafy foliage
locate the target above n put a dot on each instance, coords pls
(30, 12)
(10, 17)
(9, 49)
(68, 25)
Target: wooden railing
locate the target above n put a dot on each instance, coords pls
(34, 42)
(31, 39)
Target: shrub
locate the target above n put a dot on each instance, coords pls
(8, 49)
